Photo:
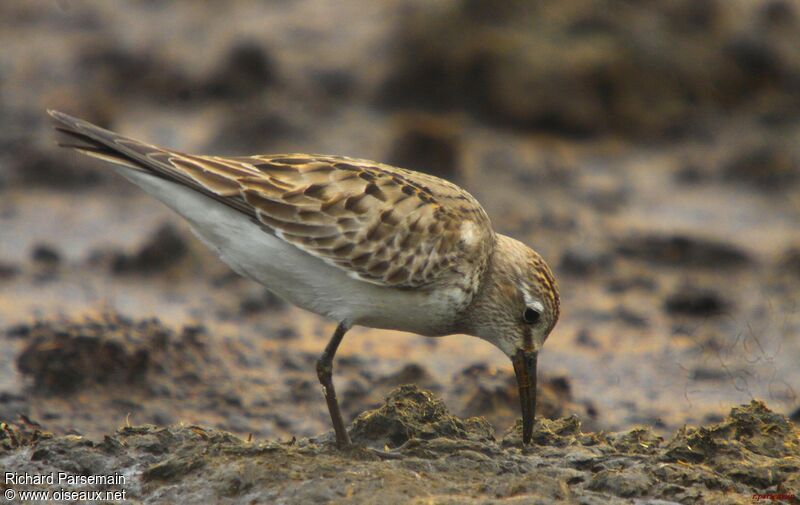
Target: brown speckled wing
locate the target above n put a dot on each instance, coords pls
(378, 223)
(381, 224)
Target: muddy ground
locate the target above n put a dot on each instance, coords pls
(649, 153)
(412, 450)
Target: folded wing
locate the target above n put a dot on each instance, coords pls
(380, 224)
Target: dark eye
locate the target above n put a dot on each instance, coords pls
(531, 316)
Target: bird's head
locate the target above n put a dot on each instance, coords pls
(515, 309)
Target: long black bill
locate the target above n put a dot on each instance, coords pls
(525, 370)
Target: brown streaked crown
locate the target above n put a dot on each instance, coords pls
(548, 288)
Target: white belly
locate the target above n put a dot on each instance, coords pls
(296, 276)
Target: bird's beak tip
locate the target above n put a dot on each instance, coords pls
(525, 371)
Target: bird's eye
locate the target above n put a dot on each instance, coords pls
(531, 316)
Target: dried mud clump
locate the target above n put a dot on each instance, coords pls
(247, 69)
(262, 301)
(584, 261)
(163, 249)
(695, 301)
(752, 447)
(578, 67)
(790, 262)
(770, 165)
(367, 392)
(8, 271)
(440, 458)
(15, 435)
(39, 167)
(45, 254)
(411, 413)
(481, 390)
(118, 72)
(683, 250)
(64, 356)
(429, 144)
(255, 128)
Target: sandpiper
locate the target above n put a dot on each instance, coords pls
(360, 242)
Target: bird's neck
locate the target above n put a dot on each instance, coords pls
(482, 310)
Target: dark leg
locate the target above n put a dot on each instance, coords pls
(325, 372)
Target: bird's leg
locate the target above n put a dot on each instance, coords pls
(325, 373)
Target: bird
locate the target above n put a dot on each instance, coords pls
(359, 242)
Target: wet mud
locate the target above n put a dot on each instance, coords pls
(411, 449)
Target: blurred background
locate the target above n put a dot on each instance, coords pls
(650, 151)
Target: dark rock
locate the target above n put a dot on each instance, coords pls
(698, 302)
(683, 250)
(161, 250)
(426, 144)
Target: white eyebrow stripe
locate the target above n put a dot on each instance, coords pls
(532, 302)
